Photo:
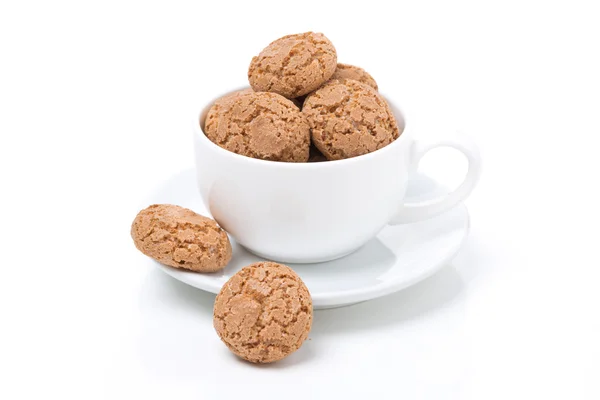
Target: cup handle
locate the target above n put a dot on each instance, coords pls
(412, 212)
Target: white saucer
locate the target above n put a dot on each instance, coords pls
(398, 257)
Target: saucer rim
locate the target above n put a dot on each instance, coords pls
(341, 297)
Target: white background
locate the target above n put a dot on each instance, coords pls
(95, 106)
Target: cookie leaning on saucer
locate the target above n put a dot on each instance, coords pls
(180, 238)
(264, 312)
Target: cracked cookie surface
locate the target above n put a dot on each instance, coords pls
(234, 95)
(180, 238)
(293, 65)
(347, 71)
(349, 119)
(264, 312)
(261, 125)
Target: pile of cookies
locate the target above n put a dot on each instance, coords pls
(303, 106)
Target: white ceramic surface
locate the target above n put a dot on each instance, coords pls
(399, 256)
(315, 212)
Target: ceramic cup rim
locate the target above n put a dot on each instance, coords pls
(198, 125)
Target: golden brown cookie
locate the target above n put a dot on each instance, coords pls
(261, 125)
(349, 119)
(346, 71)
(293, 65)
(235, 94)
(264, 312)
(180, 238)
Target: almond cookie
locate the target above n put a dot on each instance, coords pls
(261, 125)
(346, 71)
(180, 238)
(235, 94)
(349, 119)
(264, 312)
(293, 65)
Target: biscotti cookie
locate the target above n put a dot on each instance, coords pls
(180, 238)
(349, 119)
(264, 312)
(293, 65)
(261, 125)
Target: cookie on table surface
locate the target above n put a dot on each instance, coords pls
(180, 238)
(264, 312)
(293, 65)
(346, 71)
(261, 125)
(349, 119)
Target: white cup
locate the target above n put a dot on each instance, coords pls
(315, 212)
